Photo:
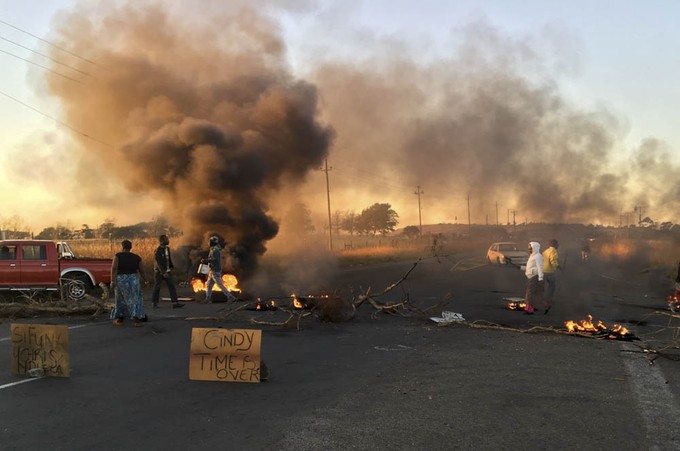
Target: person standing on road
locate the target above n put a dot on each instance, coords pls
(674, 302)
(126, 280)
(551, 264)
(585, 249)
(534, 273)
(215, 274)
(162, 269)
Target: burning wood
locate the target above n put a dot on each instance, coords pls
(674, 303)
(516, 303)
(617, 332)
(230, 281)
(263, 305)
(307, 302)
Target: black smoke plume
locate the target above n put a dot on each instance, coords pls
(204, 116)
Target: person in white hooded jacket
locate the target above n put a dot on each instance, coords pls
(534, 273)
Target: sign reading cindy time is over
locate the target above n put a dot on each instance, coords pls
(36, 346)
(228, 355)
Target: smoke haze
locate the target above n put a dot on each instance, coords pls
(205, 115)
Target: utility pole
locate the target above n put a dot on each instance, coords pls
(469, 218)
(328, 195)
(420, 215)
(496, 213)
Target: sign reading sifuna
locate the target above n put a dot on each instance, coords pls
(40, 347)
(228, 355)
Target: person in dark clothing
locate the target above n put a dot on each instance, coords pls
(6, 254)
(215, 274)
(162, 270)
(677, 286)
(126, 280)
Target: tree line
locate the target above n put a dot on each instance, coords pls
(16, 228)
(377, 219)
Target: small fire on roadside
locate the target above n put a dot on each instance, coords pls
(229, 280)
(585, 325)
(306, 302)
(517, 305)
(674, 303)
(617, 332)
(265, 305)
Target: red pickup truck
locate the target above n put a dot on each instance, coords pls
(28, 265)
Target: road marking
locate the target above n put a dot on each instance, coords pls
(658, 407)
(23, 381)
(393, 348)
(12, 384)
(466, 266)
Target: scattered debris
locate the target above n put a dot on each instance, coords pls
(448, 318)
(393, 348)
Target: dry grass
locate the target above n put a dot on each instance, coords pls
(144, 247)
(366, 250)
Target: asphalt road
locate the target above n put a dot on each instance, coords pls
(378, 381)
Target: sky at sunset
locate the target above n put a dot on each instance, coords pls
(195, 110)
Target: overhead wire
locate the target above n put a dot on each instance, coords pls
(63, 124)
(56, 120)
(50, 43)
(41, 66)
(372, 180)
(370, 177)
(44, 56)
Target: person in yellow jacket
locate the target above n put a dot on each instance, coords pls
(551, 264)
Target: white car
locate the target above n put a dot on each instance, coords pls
(507, 252)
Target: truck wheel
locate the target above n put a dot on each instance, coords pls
(76, 287)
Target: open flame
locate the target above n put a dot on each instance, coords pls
(230, 282)
(674, 303)
(264, 305)
(517, 305)
(587, 326)
(306, 302)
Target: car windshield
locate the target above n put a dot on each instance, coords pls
(508, 247)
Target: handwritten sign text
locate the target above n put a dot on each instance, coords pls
(40, 346)
(229, 355)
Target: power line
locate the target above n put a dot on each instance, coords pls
(40, 65)
(372, 177)
(63, 124)
(372, 180)
(44, 56)
(50, 43)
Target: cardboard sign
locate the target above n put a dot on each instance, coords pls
(227, 355)
(40, 347)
